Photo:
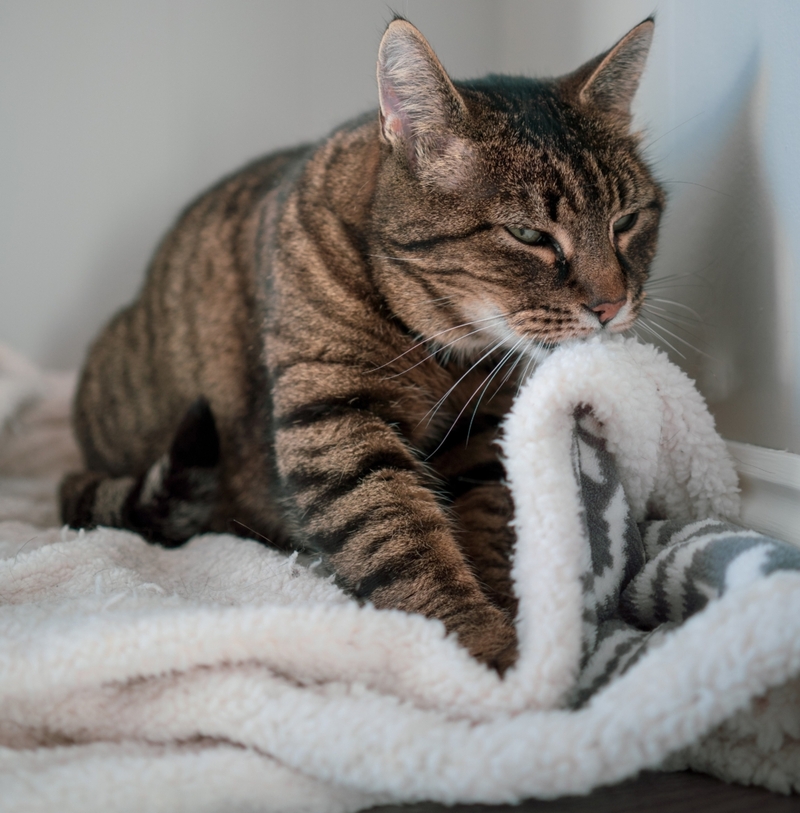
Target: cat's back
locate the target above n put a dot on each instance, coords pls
(193, 329)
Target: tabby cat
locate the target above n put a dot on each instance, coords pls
(328, 340)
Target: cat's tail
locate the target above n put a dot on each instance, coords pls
(173, 500)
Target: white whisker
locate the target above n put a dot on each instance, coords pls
(435, 335)
(485, 386)
(677, 319)
(439, 350)
(533, 359)
(672, 130)
(676, 304)
(680, 339)
(511, 369)
(387, 257)
(650, 329)
(438, 405)
(671, 281)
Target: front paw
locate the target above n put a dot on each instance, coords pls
(490, 637)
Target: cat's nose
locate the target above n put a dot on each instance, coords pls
(606, 311)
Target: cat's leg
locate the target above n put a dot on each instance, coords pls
(358, 495)
(487, 538)
(471, 468)
(170, 502)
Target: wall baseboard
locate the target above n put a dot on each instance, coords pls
(770, 482)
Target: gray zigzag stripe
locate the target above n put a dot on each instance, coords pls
(642, 582)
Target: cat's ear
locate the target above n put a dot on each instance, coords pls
(609, 82)
(418, 103)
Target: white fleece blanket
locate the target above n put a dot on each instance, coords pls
(225, 676)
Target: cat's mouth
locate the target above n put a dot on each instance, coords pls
(485, 330)
(550, 328)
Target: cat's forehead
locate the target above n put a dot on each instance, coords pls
(541, 151)
(525, 112)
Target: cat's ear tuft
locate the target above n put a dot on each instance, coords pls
(609, 82)
(418, 102)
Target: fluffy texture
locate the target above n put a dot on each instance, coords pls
(224, 674)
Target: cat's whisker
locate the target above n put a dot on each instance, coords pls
(702, 186)
(679, 338)
(675, 304)
(659, 338)
(677, 326)
(435, 408)
(687, 328)
(435, 335)
(510, 370)
(519, 358)
(485, 386)
(633, 329)
(533, 351)
(669, 281)
(677, 319)
(444, 348)
(438, 405)
(482, 389)
(671, 130)
(690, 327)
(447, 298)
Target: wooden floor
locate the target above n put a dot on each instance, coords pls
(661, 792)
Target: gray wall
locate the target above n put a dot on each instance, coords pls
(112, 115)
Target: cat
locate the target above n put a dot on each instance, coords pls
(328, 340)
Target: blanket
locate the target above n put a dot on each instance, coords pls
(224, 675)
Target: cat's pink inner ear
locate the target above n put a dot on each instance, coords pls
(418, 101)
(395, 123)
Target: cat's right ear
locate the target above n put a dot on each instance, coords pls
(609, 82)
(418, 103)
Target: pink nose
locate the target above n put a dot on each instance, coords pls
(606, 311)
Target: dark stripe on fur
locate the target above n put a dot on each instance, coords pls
(325, 410)
(382, 577)
(624, 264)
(429, 242)
(333, 484)
(468, 428)
(476, 476)
(332, 539)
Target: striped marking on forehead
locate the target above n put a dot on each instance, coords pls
(565, 186)
(584, 182)
(551, 200)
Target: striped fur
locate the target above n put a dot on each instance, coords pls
(356, 314)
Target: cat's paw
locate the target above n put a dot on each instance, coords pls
(491, 639)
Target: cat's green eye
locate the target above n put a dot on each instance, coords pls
(625, 223)
(529, 236)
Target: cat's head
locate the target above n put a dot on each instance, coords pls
(510, 211)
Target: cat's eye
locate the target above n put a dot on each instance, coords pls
(530, 236)
(625, 223)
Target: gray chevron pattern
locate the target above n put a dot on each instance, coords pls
(643, 580)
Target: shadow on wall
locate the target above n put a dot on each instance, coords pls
(718, 258)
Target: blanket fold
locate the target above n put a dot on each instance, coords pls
(653, 630)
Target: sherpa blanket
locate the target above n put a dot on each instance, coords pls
(225, 676)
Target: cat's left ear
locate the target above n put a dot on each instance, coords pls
(609, 82)
(419, 105)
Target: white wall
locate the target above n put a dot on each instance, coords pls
(112, 115)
